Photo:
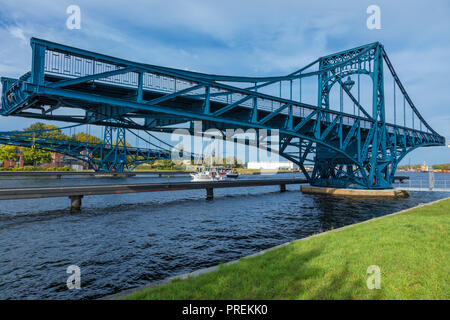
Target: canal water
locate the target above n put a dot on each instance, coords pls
(124, 241)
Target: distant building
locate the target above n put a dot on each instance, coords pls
(19, 162)
(272, 165)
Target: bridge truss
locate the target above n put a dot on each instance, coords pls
(359, 149)
(111, 154)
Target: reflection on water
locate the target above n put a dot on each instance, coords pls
(123, 241)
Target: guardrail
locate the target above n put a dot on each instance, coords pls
(425, 185)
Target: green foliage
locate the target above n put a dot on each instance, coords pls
(8, 153)
(34, 156)
(54, 133)
(85, 137)
(160, 165)
(406, 167)
(445, 166)
(165, 164)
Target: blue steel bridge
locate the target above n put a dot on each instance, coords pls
(359, 149)
(109, 155)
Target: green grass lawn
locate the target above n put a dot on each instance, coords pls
(411, 249)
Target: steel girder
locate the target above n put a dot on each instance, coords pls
(347, 150)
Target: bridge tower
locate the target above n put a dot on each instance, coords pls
(376, 165)
(116, 159)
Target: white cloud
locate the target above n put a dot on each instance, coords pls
(17, 32)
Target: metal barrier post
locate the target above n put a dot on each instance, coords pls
(431, 179)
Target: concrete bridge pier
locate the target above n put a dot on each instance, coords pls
(343, 192)
(75, 203)
(282, 188)
(209, 193)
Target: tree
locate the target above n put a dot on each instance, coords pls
(48, 131)
(233, 162)
(85, 137)
(163, 164)
(8, 153)
(444, 166)
(34, 156)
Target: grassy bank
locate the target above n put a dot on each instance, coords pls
(411, 249)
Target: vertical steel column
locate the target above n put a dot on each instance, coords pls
(206, 104)
(121, 150)
(359, 115)
(395, 108)
(254, 117)
(108, 136)
(300, 89)
(379, 138)
(140, 86)
(290, 118)
(404, 111)
(290, 94)
(320, 105)
(395, 123)
(37, 64)
(341, 109)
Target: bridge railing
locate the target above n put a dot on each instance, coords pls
(68, 65)
(424, 185)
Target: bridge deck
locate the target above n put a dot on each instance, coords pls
(14, 174)
(75, 193)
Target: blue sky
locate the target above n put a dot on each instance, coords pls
(245, 38)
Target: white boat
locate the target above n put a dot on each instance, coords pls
(208, 175)
(231, 173)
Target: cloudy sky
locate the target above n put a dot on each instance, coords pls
(245, 38)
